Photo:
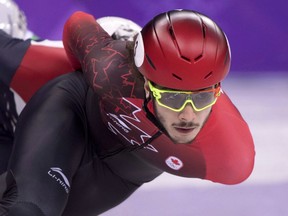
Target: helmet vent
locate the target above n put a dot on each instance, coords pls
(198, 58)
(186, 59)
(172, 34)
(177, 77)
(208, 75)
(150, 62)
(204, 29)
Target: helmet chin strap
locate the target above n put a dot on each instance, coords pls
(148, 107)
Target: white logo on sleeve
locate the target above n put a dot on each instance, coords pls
(58, 175)
(174, 163)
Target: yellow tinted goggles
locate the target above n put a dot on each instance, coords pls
(177, 100)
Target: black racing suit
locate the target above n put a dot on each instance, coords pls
(78, 176)
(67, 167)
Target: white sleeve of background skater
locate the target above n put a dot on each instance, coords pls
(48, 43)
(139, 51)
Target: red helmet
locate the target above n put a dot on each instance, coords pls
(182, 49)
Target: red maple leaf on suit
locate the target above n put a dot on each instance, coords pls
(175, 161)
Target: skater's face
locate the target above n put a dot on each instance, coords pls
(182, 114)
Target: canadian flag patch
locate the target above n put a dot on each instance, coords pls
(174, 163)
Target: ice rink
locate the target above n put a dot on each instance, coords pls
(263, 101)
